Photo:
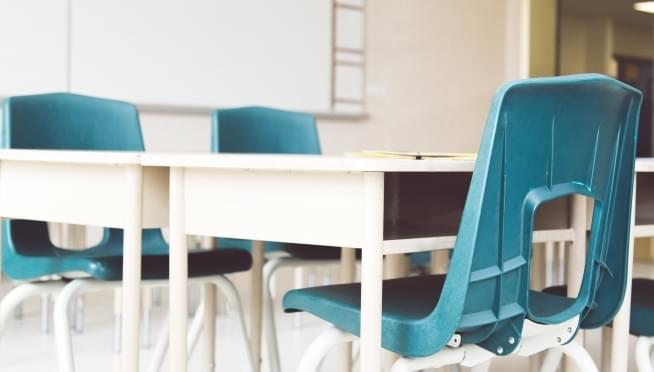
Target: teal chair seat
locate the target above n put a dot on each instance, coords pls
(200, 264)
(642, 305)
(104, 260)
(312, 252)
(406, 303)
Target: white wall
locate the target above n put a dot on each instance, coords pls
(432, 69)
(542, 37)
(32, 33)
(204, 52)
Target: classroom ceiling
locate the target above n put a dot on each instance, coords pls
(620, 10)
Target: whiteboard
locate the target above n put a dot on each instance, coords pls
(33, 56)
(204, 52)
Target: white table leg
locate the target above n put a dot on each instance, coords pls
(620, 330)
(210, 325)
(606, 349)
(440, 260)
(576, 259)
(256, 306)
(132, 269)
(395, 266)
(372, 273)
(178, 272)
(348, 271)
(538, 273)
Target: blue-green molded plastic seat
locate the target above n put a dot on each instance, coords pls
(642, 305)
(544, 139)
(262, 130)
(64, 121)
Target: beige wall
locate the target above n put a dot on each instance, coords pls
(432, 69)
(588, 44)
(542, 37)
(573, 45)
(633, 40)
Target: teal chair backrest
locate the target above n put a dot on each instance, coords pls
(544, 139)
(262, 130)
(64, 121)
(61, 121)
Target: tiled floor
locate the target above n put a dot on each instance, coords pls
(24, 349)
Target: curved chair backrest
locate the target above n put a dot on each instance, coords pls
(544, 139)
(62, 121)
(262, 130)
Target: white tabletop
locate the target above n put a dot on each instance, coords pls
(260, 162)
(72, 156)
(305, 163)
(645, 165)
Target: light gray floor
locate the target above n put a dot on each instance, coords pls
(24, 349)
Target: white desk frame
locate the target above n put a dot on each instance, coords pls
(91, 188)
(334, 201)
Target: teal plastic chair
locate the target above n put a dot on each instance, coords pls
(544, 139)
(63, 121)
(641, 322)
(261, 130)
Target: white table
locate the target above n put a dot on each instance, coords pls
(368, 204)
(372, 204)
(91, 188)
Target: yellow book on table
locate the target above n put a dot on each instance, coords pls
(418, 155)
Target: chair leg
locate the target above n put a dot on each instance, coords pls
(269, 327)
(63, 339)
(210, 325)
(45, 313)
(483, 367)
(298, 282)
(642, 354)
(234, 300)
(18, 312)
(118, 320)
(159, 352)
(62, 331)
(445, 357)
(78, 314)
(160, 348)
(20, 293)
(579, 356)
(156, 296)
(319, 348)
(195, 329)
(552, 360)
(146, 300)
(400, 366)
(231, 295)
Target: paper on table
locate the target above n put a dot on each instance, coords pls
(414, 155)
